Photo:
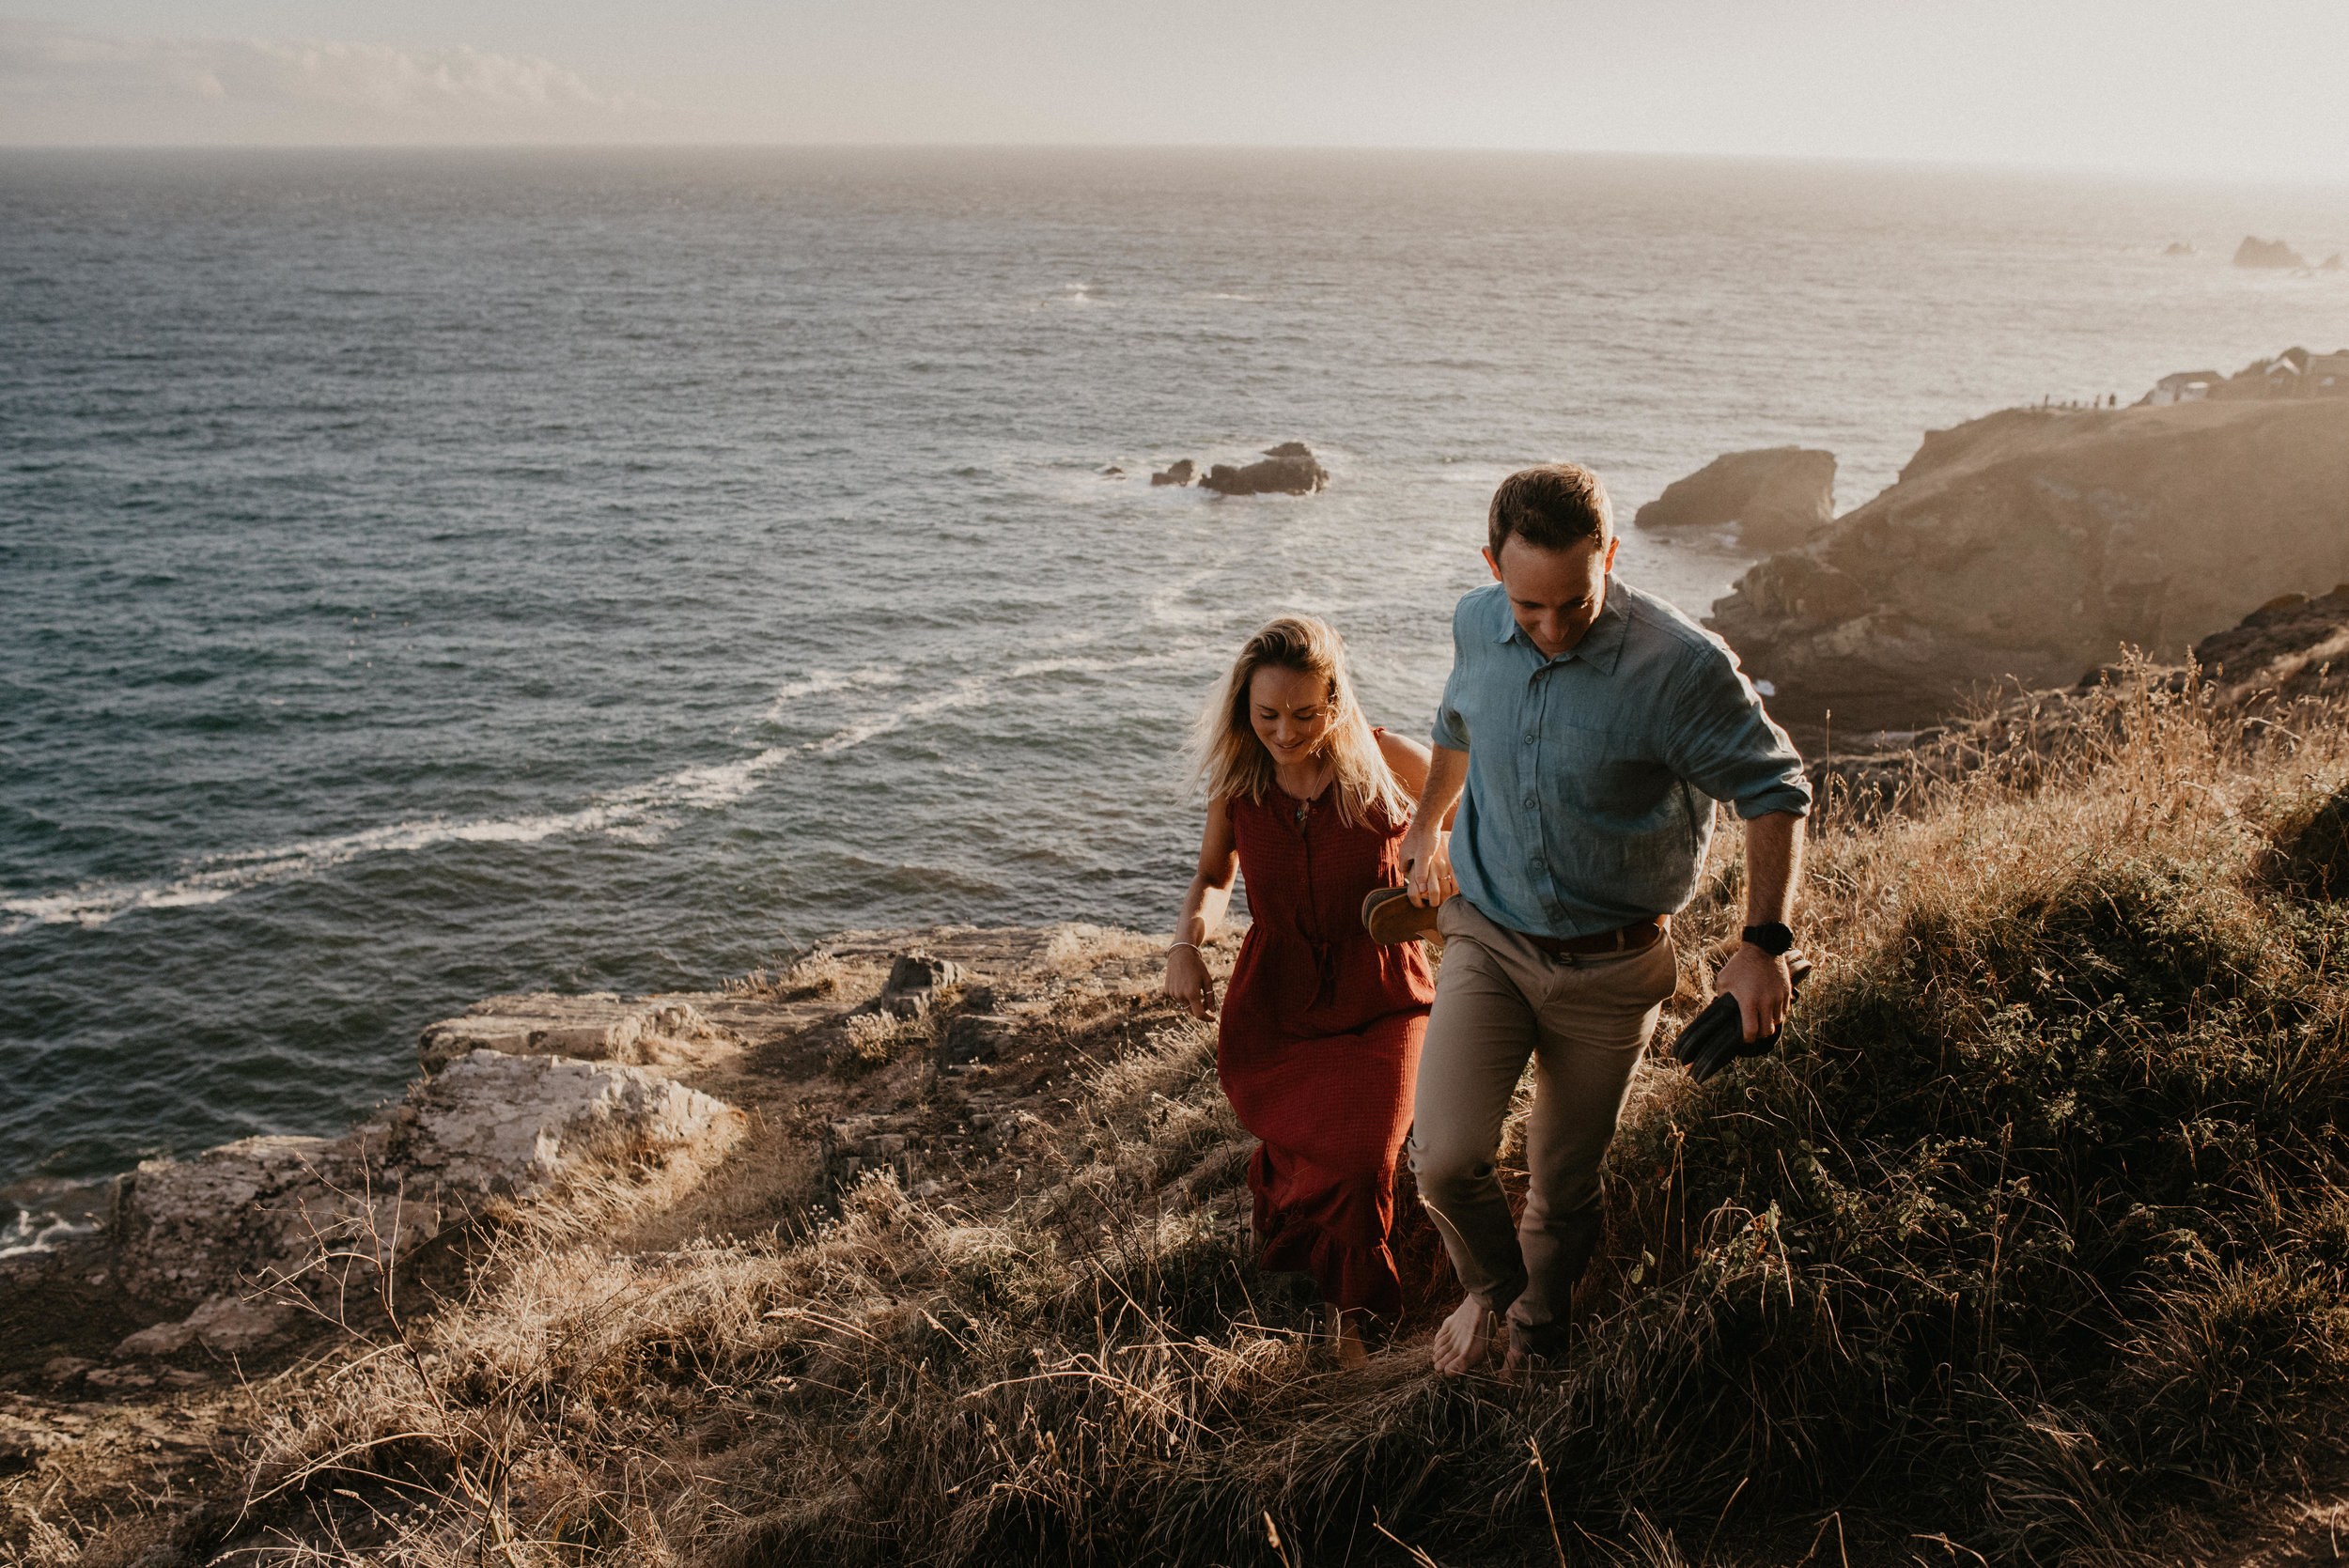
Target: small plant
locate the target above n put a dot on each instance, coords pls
(870, 1041)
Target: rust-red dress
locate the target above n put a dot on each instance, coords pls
(1319, 1043)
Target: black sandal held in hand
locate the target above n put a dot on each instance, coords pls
(1716, 1036)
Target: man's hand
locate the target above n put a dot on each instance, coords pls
(1189, 984)
(1761, 986)
(1426, 856)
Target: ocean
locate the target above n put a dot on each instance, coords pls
(433, 574)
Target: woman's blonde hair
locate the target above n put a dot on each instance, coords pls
(1232, 761)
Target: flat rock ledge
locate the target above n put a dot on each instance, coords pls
(599, 1026)
(303, 1213)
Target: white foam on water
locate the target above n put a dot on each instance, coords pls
(970, 692)
(636, 815)
(820, 683)
(27, 1232)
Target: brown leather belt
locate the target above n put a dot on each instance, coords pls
(1633, 937)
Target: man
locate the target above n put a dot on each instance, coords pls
(1593, 727)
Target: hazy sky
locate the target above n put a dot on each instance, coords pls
(2252, 87)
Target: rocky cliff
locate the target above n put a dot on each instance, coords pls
(1779, 497)
(2034, 544)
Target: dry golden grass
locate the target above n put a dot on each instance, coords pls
(2029, 1247)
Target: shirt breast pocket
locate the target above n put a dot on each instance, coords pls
(1606, 777)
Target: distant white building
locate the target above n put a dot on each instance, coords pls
(2326, 376)
(2184, 386)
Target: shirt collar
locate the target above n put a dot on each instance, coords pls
(1601, 647)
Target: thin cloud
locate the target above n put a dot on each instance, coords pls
(58, 84)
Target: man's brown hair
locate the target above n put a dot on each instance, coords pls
(1551, 507)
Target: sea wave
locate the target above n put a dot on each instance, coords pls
(633, 815)
(27, 1231)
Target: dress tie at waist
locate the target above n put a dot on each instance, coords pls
(1325, 973)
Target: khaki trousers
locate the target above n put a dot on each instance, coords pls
(1584, 1021)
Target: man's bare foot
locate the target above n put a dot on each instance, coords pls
(1532, 1353)
(1353, 1355)
(1463, 1341)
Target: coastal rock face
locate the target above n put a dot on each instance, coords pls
(2292, 646)
(1183, 471)
(1288, 469)
(598, 1026)
(2033, 543)
(1780, 497)
(487, 1127)
(2267, 253)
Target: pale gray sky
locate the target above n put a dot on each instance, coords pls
(2251, 89)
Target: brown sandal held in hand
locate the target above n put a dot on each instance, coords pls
(1389, 916)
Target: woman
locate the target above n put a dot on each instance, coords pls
(1320, 1031)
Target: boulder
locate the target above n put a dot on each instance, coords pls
(1183, 471)
(975, 1037)
(1288, 469)
(916, 980)
(598, 1026)
(2267, 253)
(1780, 497)
(2035, 543)
(489, 1129)
(225, 1323)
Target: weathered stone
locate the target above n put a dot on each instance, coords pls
(915, 981)
(2033, 543)
(598, 1026)
(1183, 471)
(978, 1037)
(1294, 471)
(489, 1126)
(510, 1124)
(1779, 497)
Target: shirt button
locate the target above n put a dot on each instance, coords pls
(1539, 863)
(1529, 738)
(1529, 800)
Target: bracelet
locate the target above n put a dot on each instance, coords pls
(1193, 946)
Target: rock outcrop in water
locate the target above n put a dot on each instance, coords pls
(1288, 469)
(1779, 497)
(2255, 252)
(2033, 543)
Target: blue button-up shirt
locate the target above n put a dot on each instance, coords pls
(1592, 776)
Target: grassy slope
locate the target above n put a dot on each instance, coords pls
(2032, 1240)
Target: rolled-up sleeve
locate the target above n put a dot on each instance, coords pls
(1725, 745)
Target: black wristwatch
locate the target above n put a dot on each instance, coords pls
(1773, 938)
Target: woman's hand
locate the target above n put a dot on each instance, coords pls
(1189, 982)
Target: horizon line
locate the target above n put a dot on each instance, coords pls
(1955, 165)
